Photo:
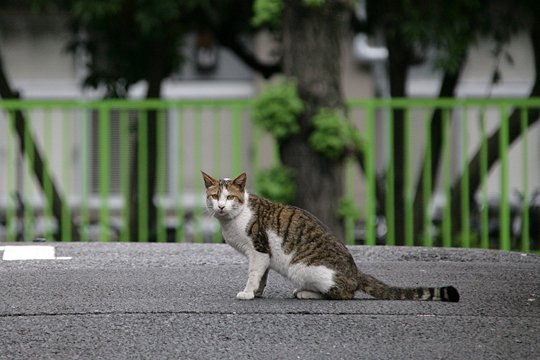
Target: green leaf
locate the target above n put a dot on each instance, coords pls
(347, 209)
(276, 184)
(333, 135)
(267, 12)
(313, 3)
(329, 135)
(277, 109)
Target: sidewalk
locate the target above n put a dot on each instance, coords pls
(172, 301)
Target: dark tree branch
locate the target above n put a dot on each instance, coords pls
(29, 149)
(228, 37)
(448, 87)
(247, 56)
(493, 151)
(493, 143)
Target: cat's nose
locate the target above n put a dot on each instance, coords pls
(221, 207)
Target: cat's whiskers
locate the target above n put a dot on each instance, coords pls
(209, 212)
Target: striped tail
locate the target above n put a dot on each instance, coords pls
(376, 288)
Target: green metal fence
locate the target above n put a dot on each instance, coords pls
(442, 172)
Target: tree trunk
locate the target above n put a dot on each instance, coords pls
(312, 39)
(399, 60)
(29, 149)
(154, 81)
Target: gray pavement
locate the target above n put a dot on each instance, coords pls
(177, 301)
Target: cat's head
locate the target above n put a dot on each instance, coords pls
(225, 198)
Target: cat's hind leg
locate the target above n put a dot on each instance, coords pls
(339, 293)
(343, 289)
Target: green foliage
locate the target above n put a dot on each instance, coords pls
(267, 12)
(129, 41)
(347, 209)
(277, 109)
(333, 135)
(313, 3)
(276, 184)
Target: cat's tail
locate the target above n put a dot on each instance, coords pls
(378, 289)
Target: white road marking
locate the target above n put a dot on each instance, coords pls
(30, 252)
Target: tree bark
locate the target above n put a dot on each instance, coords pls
(29, 149)
(312, 42)
(399, 59)
(154, 80)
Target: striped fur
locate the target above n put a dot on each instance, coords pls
(298, 246)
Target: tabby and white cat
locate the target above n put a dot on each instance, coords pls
(298, 246)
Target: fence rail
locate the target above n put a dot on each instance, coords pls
(433, 172)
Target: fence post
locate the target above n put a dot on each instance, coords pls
(104, 167)
(484, 210)
(216, 144)
(142, 182)
(67, 165)
(525, 220)
(446, 221)
(85, 176)
(465, 211)
(390, 183)
(125, 181)
(371, 222)
(427, 183)
(161, 182)
(199, 143)
(408, 181)
(11, 215)
(47, 185)
(349, 193)
(236, 141)
(28, 213)
(504, 211)
(180, 213)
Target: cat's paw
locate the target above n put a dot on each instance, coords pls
(243, 295)
(307, 295)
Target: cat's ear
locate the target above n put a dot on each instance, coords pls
(240, 181)
(208, 180)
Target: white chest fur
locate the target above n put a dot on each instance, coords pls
(234, 231)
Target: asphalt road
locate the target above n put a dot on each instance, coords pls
(177, 301)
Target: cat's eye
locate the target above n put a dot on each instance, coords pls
(213, 196)
(230, 197)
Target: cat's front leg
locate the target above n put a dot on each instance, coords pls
(258, 265)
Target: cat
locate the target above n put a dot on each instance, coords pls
(298, 246)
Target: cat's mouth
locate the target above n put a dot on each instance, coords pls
(221, 212)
